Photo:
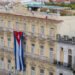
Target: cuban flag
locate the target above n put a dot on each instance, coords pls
(18, 51)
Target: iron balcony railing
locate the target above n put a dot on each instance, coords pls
(9, 29)
(4, 48)
(6, 72)
(39, 57)
(32, 35)
(41, 37)
(2, 28)
(65, 39)
(28, 54)
(51, 39)
(6, 29)
(64, 65)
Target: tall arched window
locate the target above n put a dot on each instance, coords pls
(9, 41)
(9, 24)
(33, 29)
(61, 55)
(1, 63)
(42, 30)
(32, 48)
(41, 72)
(1, 41)
(51, 55)
(52, 33)
(69, 57)
(32, 70)
(41, 50)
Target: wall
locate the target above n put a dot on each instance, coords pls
(67, 27)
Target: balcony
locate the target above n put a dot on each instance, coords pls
(9, 29)
(33, 36)
(42, 38)
(6, 72)
(2, 28)
(4, 48)
(63, 65)
(38, 57)
(51, 40)
(8, 49)
(65, 39)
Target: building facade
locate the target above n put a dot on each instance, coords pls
(61, 1)
(39, 46)
(41, 0)
(65, 55)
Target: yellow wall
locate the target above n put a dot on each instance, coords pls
(29, 21)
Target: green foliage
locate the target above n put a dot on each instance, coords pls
(72, 5)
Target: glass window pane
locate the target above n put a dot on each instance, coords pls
(51, 55)
(32, 48)
(9, 41)
(50, 73)
(41, 72)
(2, 41)
(61, 74)
(41, 50)
(32, 70)
(42, 30)
(33, 28)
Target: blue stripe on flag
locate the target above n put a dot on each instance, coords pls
(22, 55)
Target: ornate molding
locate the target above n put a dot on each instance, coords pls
(32, 63)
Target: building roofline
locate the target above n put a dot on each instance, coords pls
(16, 14)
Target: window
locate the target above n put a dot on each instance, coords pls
(41, 50)
(2, 63)
(32, 70)
(50, 73)
(9, 24)
(70, 52)
(24, 45)
(41, 72)
(33, 28)
(9, 65)
(2, 22)
(74, 62)
(32, 48)
(61, 74)
(61, 48)
(61, 55)
(42, 30)
(9, 41)
(51, 32)
(24, 27)
(17, 25)
(2, 59)
(51, 55)
(69, 57)
(1, 41)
